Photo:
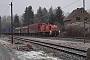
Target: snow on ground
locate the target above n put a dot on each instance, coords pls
(4, 42)
(34, 55)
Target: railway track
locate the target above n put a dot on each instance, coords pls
(67, 39)
(69, 50)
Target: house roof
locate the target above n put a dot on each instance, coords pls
(72, 14)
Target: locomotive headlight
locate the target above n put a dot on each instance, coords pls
(59, 32)
(50, 32)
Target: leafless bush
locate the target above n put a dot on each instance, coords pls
(63, 34)
(88, 35)
(74, 30)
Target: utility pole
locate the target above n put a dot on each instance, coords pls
(11, 22)
(0, 26)
(84, 19)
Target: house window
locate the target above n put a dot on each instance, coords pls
(86, 19)
(86, 29)
(77, 18)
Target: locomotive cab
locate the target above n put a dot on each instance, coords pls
(53, 30)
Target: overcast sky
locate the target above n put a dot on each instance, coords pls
(20, 5)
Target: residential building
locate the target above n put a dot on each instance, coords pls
(77, 16)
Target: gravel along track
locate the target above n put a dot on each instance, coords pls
(67, 39)
(69, 50)
(60, 41)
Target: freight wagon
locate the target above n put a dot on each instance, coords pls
(7, 30)
(17, 31)
(34, 29)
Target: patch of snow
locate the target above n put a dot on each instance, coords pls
(4, 42)
(34, 55)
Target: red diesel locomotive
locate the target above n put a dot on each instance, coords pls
(42, 29)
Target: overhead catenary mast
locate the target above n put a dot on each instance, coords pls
(84, 19)
(84, 4)
(0, 26)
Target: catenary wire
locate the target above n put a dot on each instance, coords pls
(6, 10)
(70, 4)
